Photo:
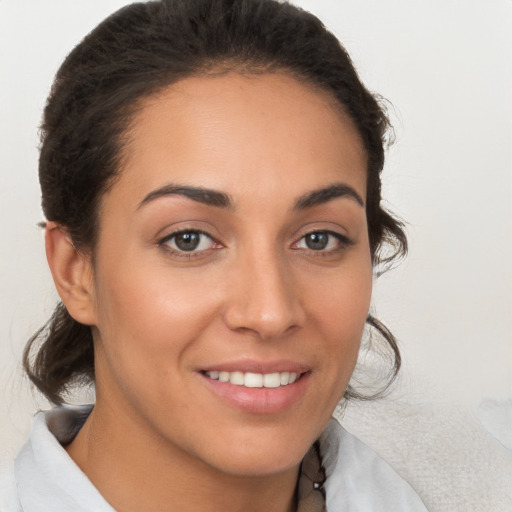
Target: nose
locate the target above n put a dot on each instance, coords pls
(263, 297)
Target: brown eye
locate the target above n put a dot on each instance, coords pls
(188, 241)
(317, 241)
(325, 241)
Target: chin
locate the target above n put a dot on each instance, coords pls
(262, 464)
(263, 453)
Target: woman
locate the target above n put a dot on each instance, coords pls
(210, 177)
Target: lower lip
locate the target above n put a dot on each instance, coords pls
(260, 400)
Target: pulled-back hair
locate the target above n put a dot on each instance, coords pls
(134, 53)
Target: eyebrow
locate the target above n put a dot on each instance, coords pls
(325, 194)
(218, 199)
(201, 195)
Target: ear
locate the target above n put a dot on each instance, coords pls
(72, 273)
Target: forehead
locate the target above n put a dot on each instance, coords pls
(258, 134)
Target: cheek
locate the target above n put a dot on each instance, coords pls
(148, 317)
(340, 314)
(146, 338)
(150, 302)
(344, 301)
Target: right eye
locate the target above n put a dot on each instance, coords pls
(323, 241)
(188, 241)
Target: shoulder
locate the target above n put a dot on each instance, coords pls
(359, 480)
(47, 479)
(9, 501)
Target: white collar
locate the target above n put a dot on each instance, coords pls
(358, 480)
(46, 476)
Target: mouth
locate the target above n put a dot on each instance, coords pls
(261, 388)
(254, 380)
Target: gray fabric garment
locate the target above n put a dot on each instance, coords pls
(310, 489)
(357, 479)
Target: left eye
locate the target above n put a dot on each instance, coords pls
(321, 241)
(189, 241)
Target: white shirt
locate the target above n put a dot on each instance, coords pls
(46, 479)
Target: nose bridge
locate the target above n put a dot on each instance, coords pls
(263, 297)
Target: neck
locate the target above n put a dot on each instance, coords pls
(134, 469)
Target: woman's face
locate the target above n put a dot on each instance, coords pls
(233, 258)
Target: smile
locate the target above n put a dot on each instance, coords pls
(254, 380)
(258, 387)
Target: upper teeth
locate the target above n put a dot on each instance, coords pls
(255, 380)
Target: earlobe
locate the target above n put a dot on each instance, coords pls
(72, 273)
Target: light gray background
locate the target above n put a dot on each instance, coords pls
(445, 65)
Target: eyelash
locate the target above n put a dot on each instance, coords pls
(343, 241)
(164, 243)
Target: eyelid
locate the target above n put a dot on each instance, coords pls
(180, 231)
(163, 243)
(344, 240)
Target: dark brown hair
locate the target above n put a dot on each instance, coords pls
(133, 54)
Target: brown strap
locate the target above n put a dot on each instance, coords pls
(310, 492)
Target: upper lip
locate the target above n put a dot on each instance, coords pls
(257, 366)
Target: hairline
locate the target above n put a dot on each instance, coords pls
(126, 115)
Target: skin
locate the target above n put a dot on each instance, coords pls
(158, 438)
